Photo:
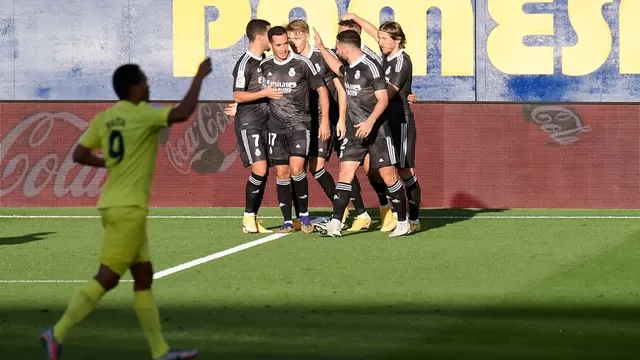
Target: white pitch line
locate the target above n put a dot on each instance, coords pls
(219, 217)
(175, 269)
(217, 255)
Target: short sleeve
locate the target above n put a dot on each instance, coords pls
(159, 115)
(401, 72)
(241, 75)
(91, 137)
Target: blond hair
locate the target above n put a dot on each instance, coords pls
(298, 26)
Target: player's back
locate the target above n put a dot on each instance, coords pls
(128, 136)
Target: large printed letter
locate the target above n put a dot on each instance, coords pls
(189, 30)
(458, 47)
(505, 45)
(594, 38)
(629, 37)
(321, 14)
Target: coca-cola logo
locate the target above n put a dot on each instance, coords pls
(38, 152)
(563, 124)
(198, 147)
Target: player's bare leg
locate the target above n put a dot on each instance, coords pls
(283, 184)
(148, 315)
(254, 195)
(387, 218)
(414, 193)
(301, 184)
(80, 306)
(398, 200)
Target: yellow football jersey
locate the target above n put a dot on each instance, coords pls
(128, 136)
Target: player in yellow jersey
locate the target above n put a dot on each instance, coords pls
(127, 133)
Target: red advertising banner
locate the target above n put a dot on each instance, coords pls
(469, 155)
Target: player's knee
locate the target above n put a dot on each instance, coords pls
(259, 168)
(316, 164)
(142, 276)
(405, 173)
(388, 175)
(107, 278)
(297, 170)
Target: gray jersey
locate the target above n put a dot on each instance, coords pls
(361, 80)
(247, 76)
(315, 56)
(295, 76)
(399, 73)
(371, 54)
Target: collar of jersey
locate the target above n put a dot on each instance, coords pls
(389, 58)
(313, 48)
(122, 103)
(358, 61)
(278, 62)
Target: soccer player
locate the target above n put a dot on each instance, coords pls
(251, 114)
(367, 131)
(127, 133)
(290, 123)
(399, 75)
(321, 151)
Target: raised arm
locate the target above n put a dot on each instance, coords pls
(364, 24)
(330, 58)
(188, 104)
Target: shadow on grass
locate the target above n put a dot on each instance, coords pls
(332, 332)
(23, 239)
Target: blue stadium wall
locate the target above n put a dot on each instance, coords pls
(463, 50)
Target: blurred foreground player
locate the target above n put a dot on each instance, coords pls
(252, 112)
(127, 133)
(367, 131)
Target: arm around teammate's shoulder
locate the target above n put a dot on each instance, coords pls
(188, 104)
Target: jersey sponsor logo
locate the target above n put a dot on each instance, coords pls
(285, 86)
(352, 89)
(198, 147)
(26, 163)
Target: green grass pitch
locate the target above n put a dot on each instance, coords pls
(537, 284)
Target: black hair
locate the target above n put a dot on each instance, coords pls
(256, 27)
(351, 24)
(350, 37)
(124, 78)
(277, 31)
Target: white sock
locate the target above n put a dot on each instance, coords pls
(249, 214)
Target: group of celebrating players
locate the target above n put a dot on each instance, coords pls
(296, 107)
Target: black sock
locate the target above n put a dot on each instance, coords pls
(284, 197)
(356, 196)
(258, 203)
(398, 200)
(381, 190)
(412, 188)
(326, 182)
(341, 200)
(296, 204)
(301, 184)
(252, 196)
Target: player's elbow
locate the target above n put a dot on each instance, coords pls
(236, 97)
